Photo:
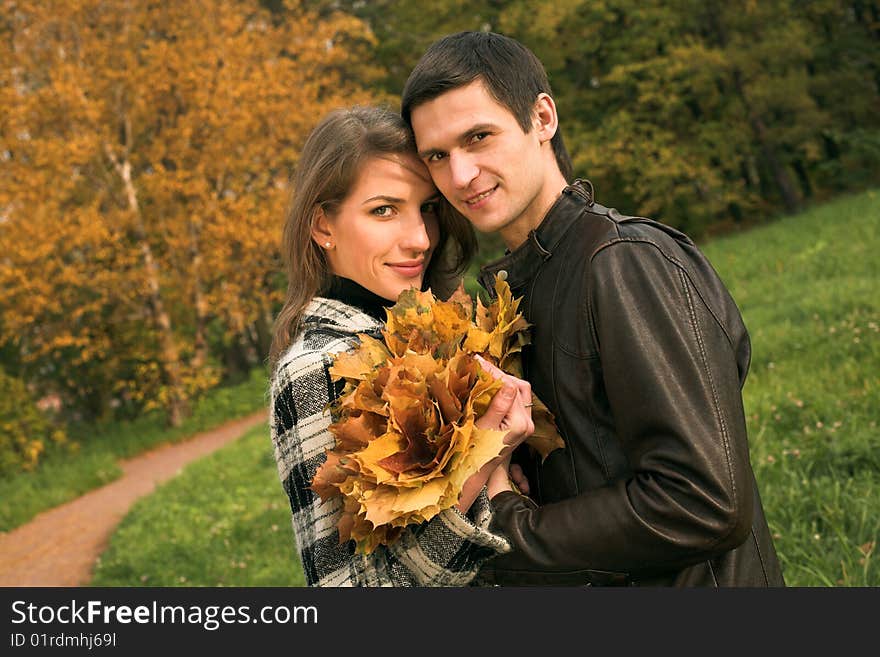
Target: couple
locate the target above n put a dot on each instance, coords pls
(637, 347)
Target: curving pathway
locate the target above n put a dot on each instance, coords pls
(59, 546)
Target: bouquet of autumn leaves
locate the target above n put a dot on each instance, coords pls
(406, 439)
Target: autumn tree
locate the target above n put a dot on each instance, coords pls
(146, 149)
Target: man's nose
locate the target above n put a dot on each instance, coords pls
(463, 168)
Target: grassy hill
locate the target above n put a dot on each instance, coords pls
(809, 289)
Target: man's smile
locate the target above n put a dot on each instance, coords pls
(476, 200)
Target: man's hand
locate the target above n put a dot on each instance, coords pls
(519, 479)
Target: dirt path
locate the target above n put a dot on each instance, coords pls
(59, 546)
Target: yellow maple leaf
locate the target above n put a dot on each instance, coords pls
(360, 363)
(406, 438)
(382, 447)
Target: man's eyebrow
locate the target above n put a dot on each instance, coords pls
(477, 129)
(467, 134)
(382, 197)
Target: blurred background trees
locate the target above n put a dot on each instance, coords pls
(145, 151)
(702, 113)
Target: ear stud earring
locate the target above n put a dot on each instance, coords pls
(327, 245)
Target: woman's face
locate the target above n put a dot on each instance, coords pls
(385, 230)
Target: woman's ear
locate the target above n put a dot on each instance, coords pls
(545, 118)
(322, 230)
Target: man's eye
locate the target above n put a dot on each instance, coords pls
(383, 211)
(480, 136)
(435, 157)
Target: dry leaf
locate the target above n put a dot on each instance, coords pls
(406, 438)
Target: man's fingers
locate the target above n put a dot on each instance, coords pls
(499, 407)
(519, 478)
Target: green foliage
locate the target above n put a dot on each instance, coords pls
(404, 29)
(25, 432)
(703, 114)
(63, 475)
(223, 521)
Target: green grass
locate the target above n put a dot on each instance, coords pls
(64, 476)
(808, 288)
(224, 521)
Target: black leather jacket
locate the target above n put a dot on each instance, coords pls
(640, 353)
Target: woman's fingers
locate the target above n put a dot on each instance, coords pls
(524, 387)
(518, 423)
(499, 408)
(510, 408)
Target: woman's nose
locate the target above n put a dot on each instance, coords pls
(417, 233)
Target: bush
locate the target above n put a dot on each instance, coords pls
(25, 432)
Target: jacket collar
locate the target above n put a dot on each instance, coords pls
(522, 263)
(326, 313)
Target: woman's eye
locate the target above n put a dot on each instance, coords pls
(383, 211)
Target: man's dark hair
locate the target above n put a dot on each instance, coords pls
(512, 74)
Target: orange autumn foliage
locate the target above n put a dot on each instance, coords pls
(406, 434)
(146, 150)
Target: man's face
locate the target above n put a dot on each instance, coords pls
(482, 161)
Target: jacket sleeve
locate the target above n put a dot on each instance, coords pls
(448, 550)
(672, 382)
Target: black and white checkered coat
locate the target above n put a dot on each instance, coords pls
(448, 550)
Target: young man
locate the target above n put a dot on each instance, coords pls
(637, 347)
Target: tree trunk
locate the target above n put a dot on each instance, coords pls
(784, 184)
(263, 326)
(200, 305)
(804, 179)
(169, 356)
(235, 359)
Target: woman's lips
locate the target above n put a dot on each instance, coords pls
(408, 269)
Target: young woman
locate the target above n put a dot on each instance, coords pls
(366, 223)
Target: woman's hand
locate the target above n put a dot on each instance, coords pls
(516, 417)
(510, 410)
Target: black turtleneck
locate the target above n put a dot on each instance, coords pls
(354, 294)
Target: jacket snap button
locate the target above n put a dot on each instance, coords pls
(502, 275)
